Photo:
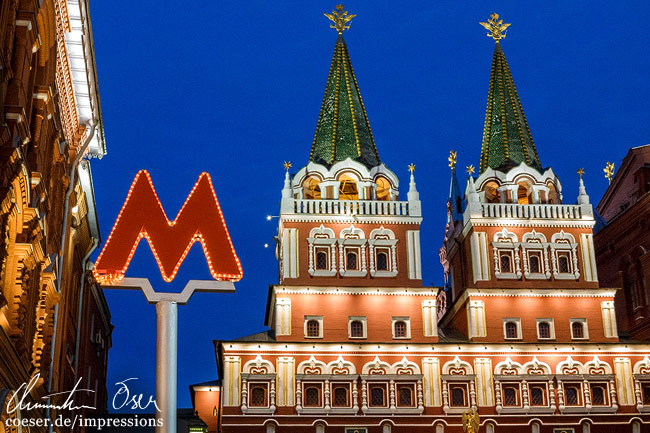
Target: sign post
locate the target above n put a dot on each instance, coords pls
(199, 220)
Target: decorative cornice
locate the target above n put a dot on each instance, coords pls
(375, 291)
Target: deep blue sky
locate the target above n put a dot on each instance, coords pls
(234, 88)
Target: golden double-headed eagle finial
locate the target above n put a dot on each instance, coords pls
(452, 159)
(609, 171)
(496, 28)
(471, 421)
(340, 18)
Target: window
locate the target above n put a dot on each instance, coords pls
(377, 396)
(383, 188)
(257, 396)
(646, 394)
(563, 262)
(321, 260)
(544, 330)
(458, 396)
(351, 261)
(311, 190)
(382, 261)
(534, 263)
(400, 329)
(348, 188)
(312, 396)
(510, 396)
(578, 329)
(313, 326)
(356, 329)
(512, 328)
(405, 396)
(598, 395)
(537, 394)
(572, 395)
(341, 393)
(505, 259)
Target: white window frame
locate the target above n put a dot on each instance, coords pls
(569, 245)
(506, 242)
(533, 242)
(551, 324)
(322, 237)
(516, 321)
(405, 319)
(382, 238)
(319, 319)
(361, 319)
(585, 328)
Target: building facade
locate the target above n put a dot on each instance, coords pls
(523, 333)
(55, 325)
(622, 244)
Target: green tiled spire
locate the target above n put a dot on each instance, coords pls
(507, 141)
(343, 130)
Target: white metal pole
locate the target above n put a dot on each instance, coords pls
(166, 367)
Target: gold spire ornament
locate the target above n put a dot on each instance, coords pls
(580, 172)
(496, 28)
(471, 421)
(609, 171)
(411, 168)
(340, 18)
(452, 159)
(287, 165)
(470, 169)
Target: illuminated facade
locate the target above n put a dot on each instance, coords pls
(54, 320)
(523, 332)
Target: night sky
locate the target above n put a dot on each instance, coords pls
(235, 88)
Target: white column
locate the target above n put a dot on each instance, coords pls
(166, 368)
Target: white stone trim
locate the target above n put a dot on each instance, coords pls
(551, 323)
(429, 318)
(319, 319)
(364, 323)
(407, 321)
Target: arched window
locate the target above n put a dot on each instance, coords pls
(310, 188)
(341, 396)
(458, 396)
(492, 193)
(506, 263)
(313, 328)
(312, 396)
(511, 330)
(321, 260)
(552, 194)
(382, 261)
(257, 396)
(533, 262)
(405, 397)
(544, 330)
(348, 188)
(598, 395)
(510, 396)
(524, 194)
(537, 396)
(351, 261)
(563, 263)
(383, 189)
(356, 329)
(577, 330)
(572, 395)
(377, 396)
(400, 329)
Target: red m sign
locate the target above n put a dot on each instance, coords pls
(142, 216)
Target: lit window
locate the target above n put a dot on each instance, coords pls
(348, 188)
(537, 396)
(313, 328)
(356, 329)
(311, 190)
(458, 396)
(577, 330)
(312, 396)
(382, 261)
(377, 396)
(511, 330)
(400, 329)
(544, 329)
(383, 189)
(510, 396)
(257, 396)
(405, 396)
(321, 260)
(572, 395)
(598, 395)
(340, 396)
(351, 261)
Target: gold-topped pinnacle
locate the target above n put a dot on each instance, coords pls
(470, 169)
(287, 165)
(340, 18)
(496, 28)
(580, 172)
(411, 167)
(609, 171)
(452, 159)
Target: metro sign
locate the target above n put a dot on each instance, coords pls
(142, 216)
